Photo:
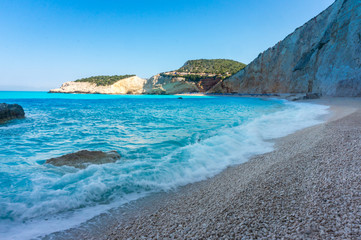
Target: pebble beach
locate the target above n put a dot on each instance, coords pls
(309, 187)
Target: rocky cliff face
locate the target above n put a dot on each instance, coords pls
(131, 85)
(163, 84)
(168, 85)
(323, 56)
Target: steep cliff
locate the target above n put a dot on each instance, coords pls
(130, 85)
(194, 76)
(162, 84)
(323, 56)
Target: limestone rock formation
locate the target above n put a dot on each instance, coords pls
(323, 56)
(161, 84)
(170, 84)
(198, 75)
(10, 111)
(84, 158)
(131, 85)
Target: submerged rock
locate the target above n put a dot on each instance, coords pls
(10, 111)
(84, 158)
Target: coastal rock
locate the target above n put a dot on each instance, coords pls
(84, 158)
(10, 111)
(131, 85)
(323, 56)
(312, 96)
(295, 97)
(160, 84)
(198, 75)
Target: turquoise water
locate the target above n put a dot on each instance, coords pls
(165, 142)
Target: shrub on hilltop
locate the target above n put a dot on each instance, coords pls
(212, 66)
(104, 80)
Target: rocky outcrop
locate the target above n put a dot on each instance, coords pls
(162, 84)
(10, 111)
(322, 56)
(131, 85)
(207, 83)
(84, 158)
(170, 84)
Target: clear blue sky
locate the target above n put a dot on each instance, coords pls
(44, 43)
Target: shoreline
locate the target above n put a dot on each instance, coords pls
(184, 212)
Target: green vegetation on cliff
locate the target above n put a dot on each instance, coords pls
(194, 77)
(104, 80)
(210, 71)
(212, 66)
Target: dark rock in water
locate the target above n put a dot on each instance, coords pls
(312, 96)
(84, 158)
(180, 98)
(302, 96)
(10, 111)
(295, 97)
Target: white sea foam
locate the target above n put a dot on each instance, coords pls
(110, 185)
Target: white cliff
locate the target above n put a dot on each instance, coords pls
(160, 84)
(322, 56)
(131, 85)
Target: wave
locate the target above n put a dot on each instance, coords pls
(98, 188)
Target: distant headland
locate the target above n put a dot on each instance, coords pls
(323, 56)
(194, 76)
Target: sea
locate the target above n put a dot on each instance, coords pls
(165, 142)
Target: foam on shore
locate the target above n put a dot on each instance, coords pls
(195, 162)
(308, 188)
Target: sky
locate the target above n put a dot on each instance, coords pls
(44, 43)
